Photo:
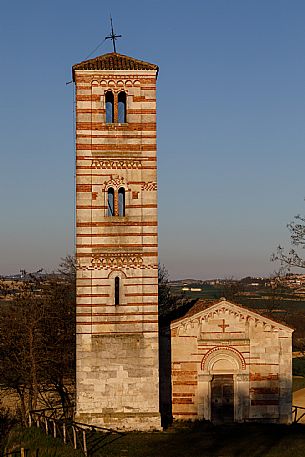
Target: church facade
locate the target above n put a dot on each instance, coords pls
(230, 364)
(116, 243)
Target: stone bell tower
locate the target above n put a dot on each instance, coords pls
(116, 243)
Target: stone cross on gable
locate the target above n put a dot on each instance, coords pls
(223, 326)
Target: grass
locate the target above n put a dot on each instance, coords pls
(298, 382)
(201, 439)
(206, 440)
(298, 366)
(261, 297)
(34, 438)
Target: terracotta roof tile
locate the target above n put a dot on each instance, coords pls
(201, 304)
(114, 61)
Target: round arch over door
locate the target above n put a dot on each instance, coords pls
(223, 385)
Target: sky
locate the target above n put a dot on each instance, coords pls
(231, 126)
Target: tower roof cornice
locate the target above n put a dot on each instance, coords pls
(114, 61)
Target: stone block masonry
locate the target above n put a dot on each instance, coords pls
(223, 356)
(117, 328)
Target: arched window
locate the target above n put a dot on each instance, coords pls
(116, 290)
(121, 107)
(121, 201)
(109, 107)
(110, 202)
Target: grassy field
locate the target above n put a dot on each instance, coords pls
(33, 439)
(199, 440)
(298, 382)
(262, 297)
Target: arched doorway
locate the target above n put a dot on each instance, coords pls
(222, 398)
(223, 385)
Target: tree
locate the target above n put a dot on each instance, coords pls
(37, 340)
(59, 328)
(292, 258)
(21, 348)
(287, 261)
(171, 305)
(231, 288)
(164, 292)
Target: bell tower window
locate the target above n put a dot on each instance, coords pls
(121, 201)
(109, 107)
(116, 290)
(122, 108)
(110, 201)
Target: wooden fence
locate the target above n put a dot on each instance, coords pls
(298, 413)
(22, 452)
(87, 438)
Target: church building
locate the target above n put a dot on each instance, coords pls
(230, 364)
(226, 363)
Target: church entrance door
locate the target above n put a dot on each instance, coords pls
(222, 398)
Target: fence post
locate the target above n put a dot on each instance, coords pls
(54, 429)
(64, 432)
(85, 442)
(30, 420)
(46, 425)
(74, 437)
(22, 452)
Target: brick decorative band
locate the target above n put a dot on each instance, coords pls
(150, 186)
(116, 261)
(223, 348)
(116, 164)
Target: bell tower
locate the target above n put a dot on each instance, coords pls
(116, 243)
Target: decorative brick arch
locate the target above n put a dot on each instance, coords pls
(114, 272)
(218, 349)
(115, 182)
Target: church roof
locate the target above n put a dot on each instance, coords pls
(114, 61)
(203, 307)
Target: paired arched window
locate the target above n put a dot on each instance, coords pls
(110, 202)
(116, 202)
(116, 290)
(109, 107)
(116, 107)
(121, 201)
(121, 107)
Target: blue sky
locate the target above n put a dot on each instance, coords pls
(231, 126)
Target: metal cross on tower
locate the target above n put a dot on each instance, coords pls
(112, 36)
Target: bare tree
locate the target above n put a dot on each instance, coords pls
(37, 340)
(292, 258)
(21, 347)
(288, 261)
(60, 337)
(170, 303)
(231, 288)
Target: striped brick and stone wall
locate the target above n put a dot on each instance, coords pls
(225, 339)
(117, 344)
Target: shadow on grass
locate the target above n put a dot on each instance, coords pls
(206, 440)
(201, 439)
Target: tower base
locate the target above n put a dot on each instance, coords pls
(143, 422)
